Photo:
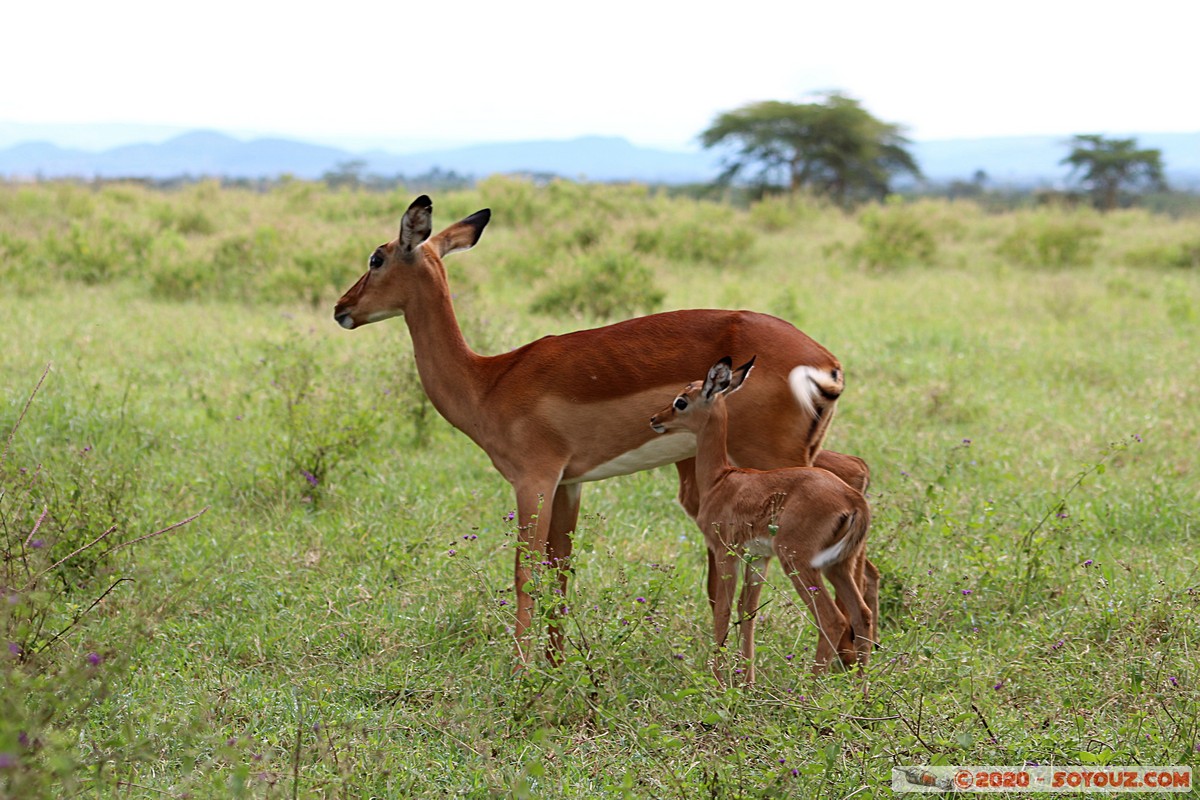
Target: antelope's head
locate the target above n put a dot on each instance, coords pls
(691, 406)
(396, 269)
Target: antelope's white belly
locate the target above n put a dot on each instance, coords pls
(666, 449)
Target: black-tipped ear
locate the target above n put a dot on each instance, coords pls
(462, 235)
(478, 221)
(739, 375)
(417, 223)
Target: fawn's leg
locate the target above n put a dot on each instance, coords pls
(845, 584)
(831, 625)
(722, 580)
(752, 582)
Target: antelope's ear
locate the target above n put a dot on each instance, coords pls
(739, 376)
(417, 223)
(461, 235)
(718, 378)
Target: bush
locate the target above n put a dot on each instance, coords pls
(894, 235)
(1182, 255)
(602, 286)
(58, 537)
(780, 212)
(698, 241)
(1046, 241)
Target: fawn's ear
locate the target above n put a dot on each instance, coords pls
(739, 376)
(719, 376)
(417, 224)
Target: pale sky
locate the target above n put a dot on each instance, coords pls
(657, 73)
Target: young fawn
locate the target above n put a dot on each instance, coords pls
(808, 517)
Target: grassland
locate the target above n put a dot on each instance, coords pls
(337, 621)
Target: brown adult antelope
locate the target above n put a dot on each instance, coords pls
(563, 410)
(812, 520)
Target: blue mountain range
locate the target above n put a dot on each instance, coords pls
(1006, 161)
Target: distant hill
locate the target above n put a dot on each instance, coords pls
(1011, 161)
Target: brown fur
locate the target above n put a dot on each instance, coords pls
(794, 513)
(551, 412)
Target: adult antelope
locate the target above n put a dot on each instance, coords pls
(563, 410)
(812, 520)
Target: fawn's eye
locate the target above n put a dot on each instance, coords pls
(376, 260)
(680, 403)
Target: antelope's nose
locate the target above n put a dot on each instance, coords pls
(343, 318)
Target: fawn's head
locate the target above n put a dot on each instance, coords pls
(691, 406)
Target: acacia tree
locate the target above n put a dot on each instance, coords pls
(1105, 166)
(833, 147)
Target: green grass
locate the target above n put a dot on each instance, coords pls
(1030, 427)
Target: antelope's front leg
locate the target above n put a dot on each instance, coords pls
(564, 515)
(534, 509)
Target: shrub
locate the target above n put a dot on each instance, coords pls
(1046, 241)
(780, 212)
(697, 241)
(603, 286)
(57, 540)
(1182, 255)
(894, 235)
(316, 429)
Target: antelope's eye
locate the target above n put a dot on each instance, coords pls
(376, 260)
(680, 403)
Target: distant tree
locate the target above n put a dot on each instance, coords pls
(1106, 166)
(345, 173)
(834, 147)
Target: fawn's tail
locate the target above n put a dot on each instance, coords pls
(851, 532)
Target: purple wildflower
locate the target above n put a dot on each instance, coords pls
(967, 592)
(451, 551)
(94, 659)
(38, 544)
(15, 649)
(7, 761)
(1174, 681)
(308, 476)
(1087, 563)
(641, 600)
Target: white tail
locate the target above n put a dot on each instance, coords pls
(850, 538)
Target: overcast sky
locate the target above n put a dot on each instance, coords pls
(462, 71)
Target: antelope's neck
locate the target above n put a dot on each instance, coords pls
(449, 369)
